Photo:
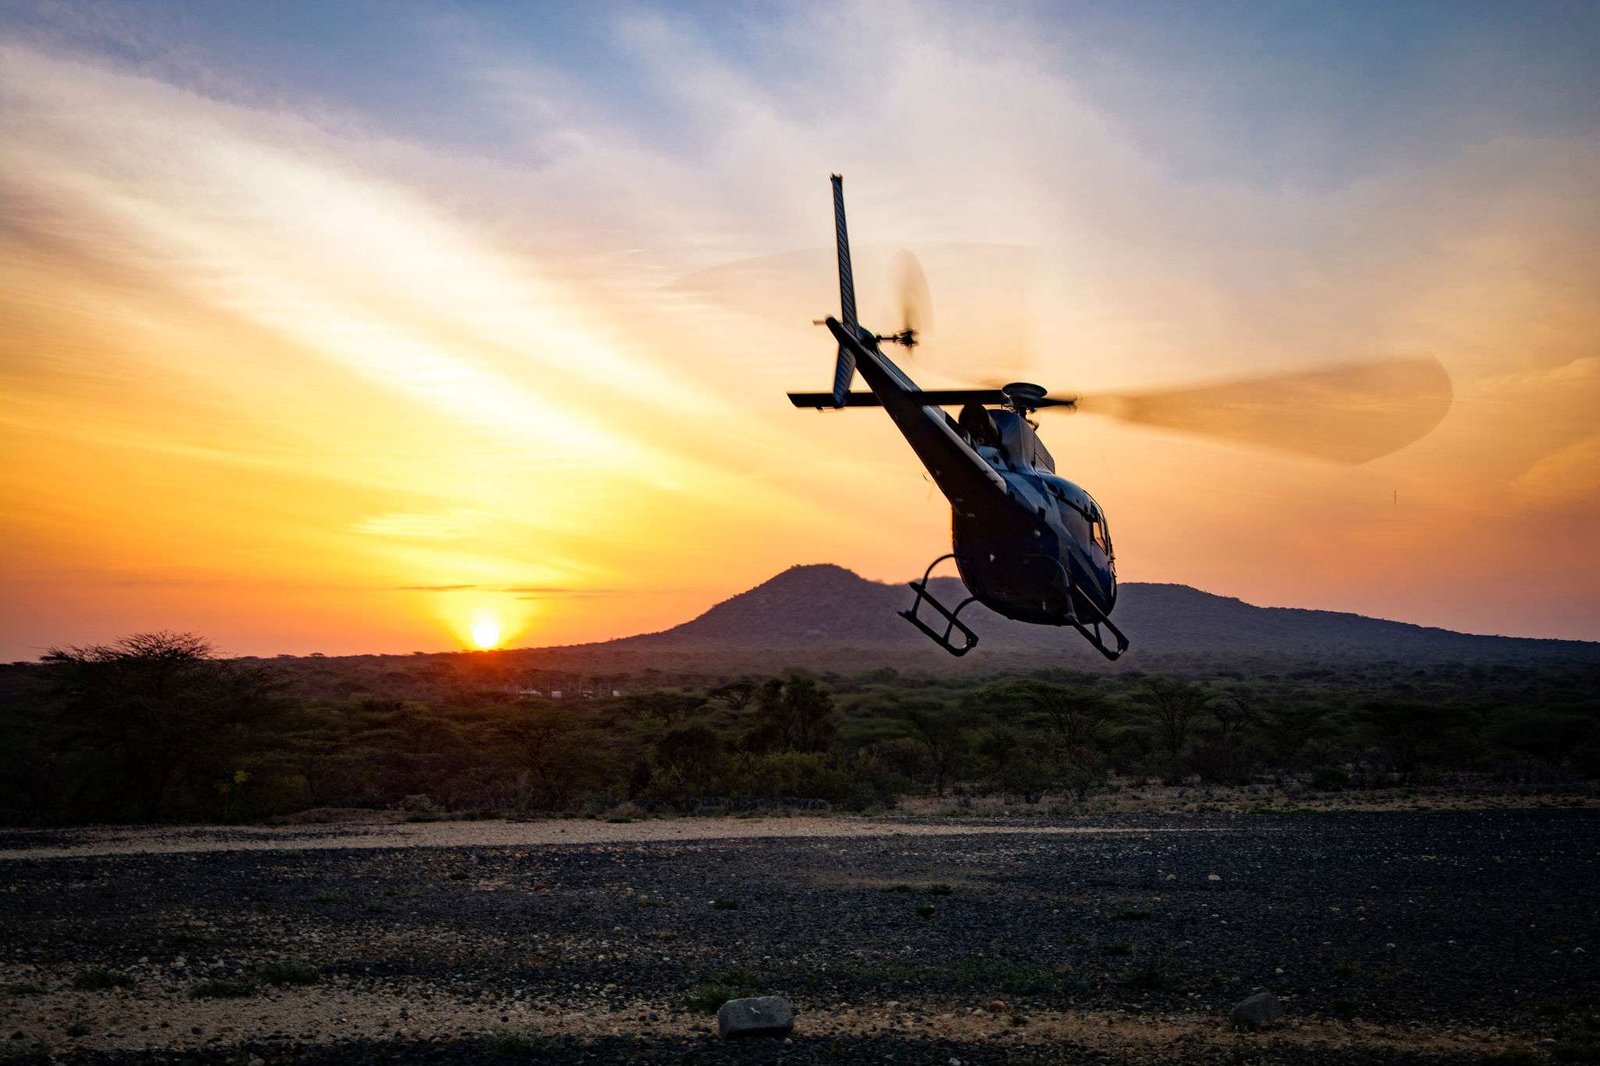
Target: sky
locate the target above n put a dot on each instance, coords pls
(383, 327)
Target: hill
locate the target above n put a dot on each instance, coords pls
(829, 612)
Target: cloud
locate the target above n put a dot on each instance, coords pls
(427, 364)
(1570, 475)
(452, 525)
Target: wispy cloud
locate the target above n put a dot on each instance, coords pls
(252, 309)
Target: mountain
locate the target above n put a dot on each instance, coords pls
(829, 611)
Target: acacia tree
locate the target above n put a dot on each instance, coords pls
(1074, 719)
(155, 723)
(1174, 705)
(557, 756)
(944, 734)
(792, 714)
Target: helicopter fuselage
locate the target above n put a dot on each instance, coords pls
(1029, 544)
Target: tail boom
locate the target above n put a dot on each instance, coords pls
(966, 480)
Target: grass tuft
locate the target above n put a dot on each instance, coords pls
(100, 979)
(517, 1042)
(706, 998)
(710, 994)
(1148, 978)
(290, 972)
(225, 988)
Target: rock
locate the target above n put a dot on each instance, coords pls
(1257, 1011)
(755, 1016)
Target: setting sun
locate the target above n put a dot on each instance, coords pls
(486, 632)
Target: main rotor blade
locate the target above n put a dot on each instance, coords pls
(929, 397)
(1344, 414)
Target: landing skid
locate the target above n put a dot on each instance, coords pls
(1091, 633)
(1097, 621)
(1095, 629)
(952, 624)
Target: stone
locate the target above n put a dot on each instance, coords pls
(755, 1016)
(1256, 1012)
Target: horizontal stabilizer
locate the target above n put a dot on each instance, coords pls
(928, 397)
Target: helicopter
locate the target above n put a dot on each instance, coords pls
(1035, 547)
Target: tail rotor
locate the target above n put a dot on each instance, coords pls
(915, 301)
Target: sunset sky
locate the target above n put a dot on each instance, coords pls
(356, 327)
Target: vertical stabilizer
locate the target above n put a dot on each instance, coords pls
(844, 370)
(847, 284)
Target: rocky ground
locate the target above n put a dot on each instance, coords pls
(1393, 936)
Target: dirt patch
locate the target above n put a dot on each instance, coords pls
(173, 1021)
(140, 840)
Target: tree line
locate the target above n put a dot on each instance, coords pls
(156, 727)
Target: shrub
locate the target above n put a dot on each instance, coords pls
(514, 1042)
(290, 972)
(225, 988)
(100, 979)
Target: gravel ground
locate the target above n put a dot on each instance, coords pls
(1390, 937)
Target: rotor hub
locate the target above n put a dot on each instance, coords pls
(1024, 396)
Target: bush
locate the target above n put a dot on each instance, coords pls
(100, 979)
(1328, 778)
(225, 988)
(290, 972)
(789, 774)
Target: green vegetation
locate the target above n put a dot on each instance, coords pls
(707, 996)
(155, 728)
(290, 972)
(1148, 978)
(100, 979)
(516, 1042)
(225, 988)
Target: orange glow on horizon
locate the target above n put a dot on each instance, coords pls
(276, 377)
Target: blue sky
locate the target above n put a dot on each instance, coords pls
(1293, 91)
